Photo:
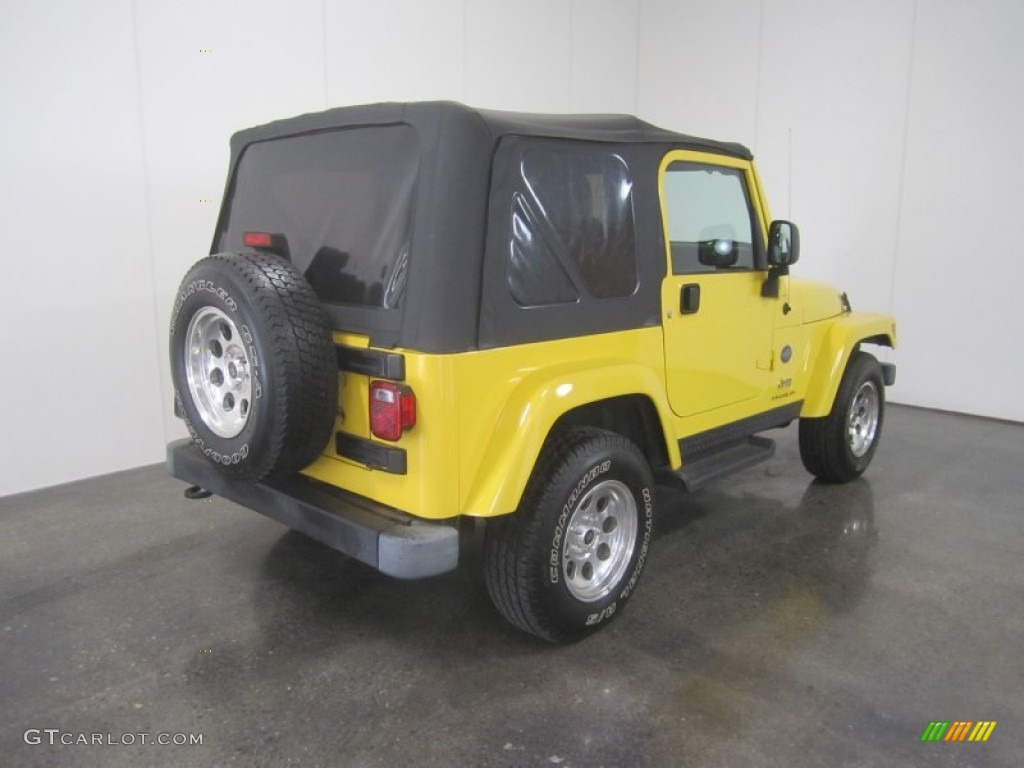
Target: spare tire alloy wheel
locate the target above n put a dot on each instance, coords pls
(217, 367)
(567, 561)
(253, 364)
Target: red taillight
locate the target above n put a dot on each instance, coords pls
(392, 409)
(257, 239)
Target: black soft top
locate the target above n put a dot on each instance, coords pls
(456, 296)
(457, 118)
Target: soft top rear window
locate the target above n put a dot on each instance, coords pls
(341, 204)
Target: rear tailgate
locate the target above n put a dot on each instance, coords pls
(415, 473)
(339, 205)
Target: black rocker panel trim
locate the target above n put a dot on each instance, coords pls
(703, 443)
(381, 365)
(383, 457)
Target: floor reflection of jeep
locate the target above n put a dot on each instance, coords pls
(420, 315)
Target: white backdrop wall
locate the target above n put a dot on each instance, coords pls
(887, 129)
(78, 352)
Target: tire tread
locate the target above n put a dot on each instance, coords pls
(510, 557)
(297, 339)
(823, 449)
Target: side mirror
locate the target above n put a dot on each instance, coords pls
(717, 253)
(783, 244)
(783, 250)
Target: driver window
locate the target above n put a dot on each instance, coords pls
(709, 219)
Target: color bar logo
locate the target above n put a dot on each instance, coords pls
(958, 730)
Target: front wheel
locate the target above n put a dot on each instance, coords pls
(840, 446)
(566, 562)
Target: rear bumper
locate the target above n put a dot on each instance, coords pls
(384, 538)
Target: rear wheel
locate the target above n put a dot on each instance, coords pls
(253, 365)
(566, 562)
(840, 446)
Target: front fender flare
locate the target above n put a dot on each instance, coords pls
(839, 342)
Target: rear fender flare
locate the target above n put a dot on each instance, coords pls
(533, 409)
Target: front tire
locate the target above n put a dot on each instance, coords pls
(840, 446)
(567, 561)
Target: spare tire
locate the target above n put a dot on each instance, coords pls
(253, 364)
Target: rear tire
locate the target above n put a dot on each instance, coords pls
(567, 561)
(253, 364)
(839, 447)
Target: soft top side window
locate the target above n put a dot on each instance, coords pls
(572, 232)
(710, 219)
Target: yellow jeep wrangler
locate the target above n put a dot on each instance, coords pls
(419, 314)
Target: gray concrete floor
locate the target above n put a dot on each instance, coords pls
(780, 622)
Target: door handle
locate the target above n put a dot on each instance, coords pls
(689, 299)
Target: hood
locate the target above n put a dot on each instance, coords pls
(814, 301)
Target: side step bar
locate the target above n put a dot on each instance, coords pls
(731, 457)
